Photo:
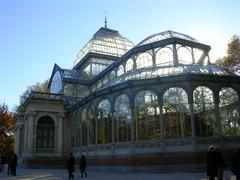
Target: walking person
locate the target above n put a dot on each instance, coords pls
(70, 166)
(220, 164)
(236, 164)
(211, 163)
(14, 163)
(83, 165)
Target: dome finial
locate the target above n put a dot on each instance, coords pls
(105, 22)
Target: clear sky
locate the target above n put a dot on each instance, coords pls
(35, 34)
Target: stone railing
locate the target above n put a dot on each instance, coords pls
(45, 96)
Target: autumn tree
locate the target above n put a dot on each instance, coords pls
(232, 60)
(6, 129)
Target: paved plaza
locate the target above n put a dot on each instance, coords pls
(51, 174)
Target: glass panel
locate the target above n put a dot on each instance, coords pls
(68, 90)
(144, 60)
(120, 70)
(91, 126)
(122, 119)
(84, 128)
(147, 116)
(104, 124)
(129, 65)
(230, 111)
(164, 56)
(184, 55)
(204, 112)
(176, 114)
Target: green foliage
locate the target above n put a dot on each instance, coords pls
(38, 87)
(232, 60)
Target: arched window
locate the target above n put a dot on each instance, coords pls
(84, 128)
(45, 134)
(82, 91)
(104, 124)
(144, 60)
(176, 114)
(147, 116)
(112, 74)
(123, 119)
(229, 110)
(164, 56)
(91, 126)
(129, 65)
(76, 128)
(204, 114)
(68, 90)
(120, 70)
(184, 55)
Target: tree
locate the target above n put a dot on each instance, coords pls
(38, 87)
(6, 129)
(232, 60)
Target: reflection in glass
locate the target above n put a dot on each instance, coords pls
(123, 119)
(68, 90)
(147, 116)
(229, 110)
(204, 112)
(104, 124)
(176, 114)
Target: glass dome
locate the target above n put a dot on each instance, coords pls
(165, 35)
(105, 41)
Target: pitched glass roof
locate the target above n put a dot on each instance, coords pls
(105, 41)
(160, 71)
(165, 35)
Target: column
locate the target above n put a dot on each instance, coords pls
(163, 149)
(132, 127)
(218, 120)
(60, 134)
(17, 140)
(30, 132)
(113, 130)
(154, 57)
(25, 137)
(175, 55)
(190, 101)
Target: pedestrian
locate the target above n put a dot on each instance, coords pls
(236, 164)
(220, 164)
(83, 165)
(9, 160)
(14, 163)
(70, 166)
(211, 162)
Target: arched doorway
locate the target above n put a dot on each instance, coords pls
(45, 134)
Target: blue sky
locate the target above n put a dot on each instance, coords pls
(35, 34)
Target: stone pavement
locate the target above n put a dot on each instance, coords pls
(54, 174)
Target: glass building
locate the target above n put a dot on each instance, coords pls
(132, 105)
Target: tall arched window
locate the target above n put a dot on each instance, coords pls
(91, 126)
(147, 116)
(229, 110)
(76, 127)
(104, 124)
(176, 114)
(164, 56)
(123, 119)
(129, 65)
(204, 114)
(84, 128)
(184, 55)
(45, 134)
(144, 60)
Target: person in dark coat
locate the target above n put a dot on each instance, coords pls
(70, 166)
(14, 164)
(236, 164)
(220, 164)
(83, 165)
(211, 163)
